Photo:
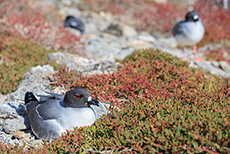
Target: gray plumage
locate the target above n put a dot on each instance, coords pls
(55, 113)
(77, 24)
(190, 31)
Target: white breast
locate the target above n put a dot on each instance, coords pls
(77, 117)
(192, 33)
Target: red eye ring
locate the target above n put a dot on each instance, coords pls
(77, 96)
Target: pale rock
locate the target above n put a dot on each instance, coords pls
(106, 15)
(2, 98)
(114, 29)
(207, 66)
(42, 70)
(119, 29)
(224, 66)
(13, 125)
(36, 81)
(67, 2)
(137, 44)
(90, 28)
(160, 1)
(215, 64)
(169, 42)
(21, 135)
(146, 37)
(59, 90)
(69, 60)
(128, 31)
(65, 11)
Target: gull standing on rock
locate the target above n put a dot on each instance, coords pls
(189, 32)
(56, 113)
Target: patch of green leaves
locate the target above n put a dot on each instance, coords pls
(18, 56)
(165, 107)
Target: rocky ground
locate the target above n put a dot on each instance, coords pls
(106, 39)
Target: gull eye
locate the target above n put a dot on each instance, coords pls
(77, 96)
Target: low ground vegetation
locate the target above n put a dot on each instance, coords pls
(17, 56)
(164, 106)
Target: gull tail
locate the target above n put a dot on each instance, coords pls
(30, 97)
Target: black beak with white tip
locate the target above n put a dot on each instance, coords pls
(93, 102)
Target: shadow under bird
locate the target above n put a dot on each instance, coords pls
(56, 113)
(189, 32)
(74, 23)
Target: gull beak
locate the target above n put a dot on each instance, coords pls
(196, 18)
(93, 102)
